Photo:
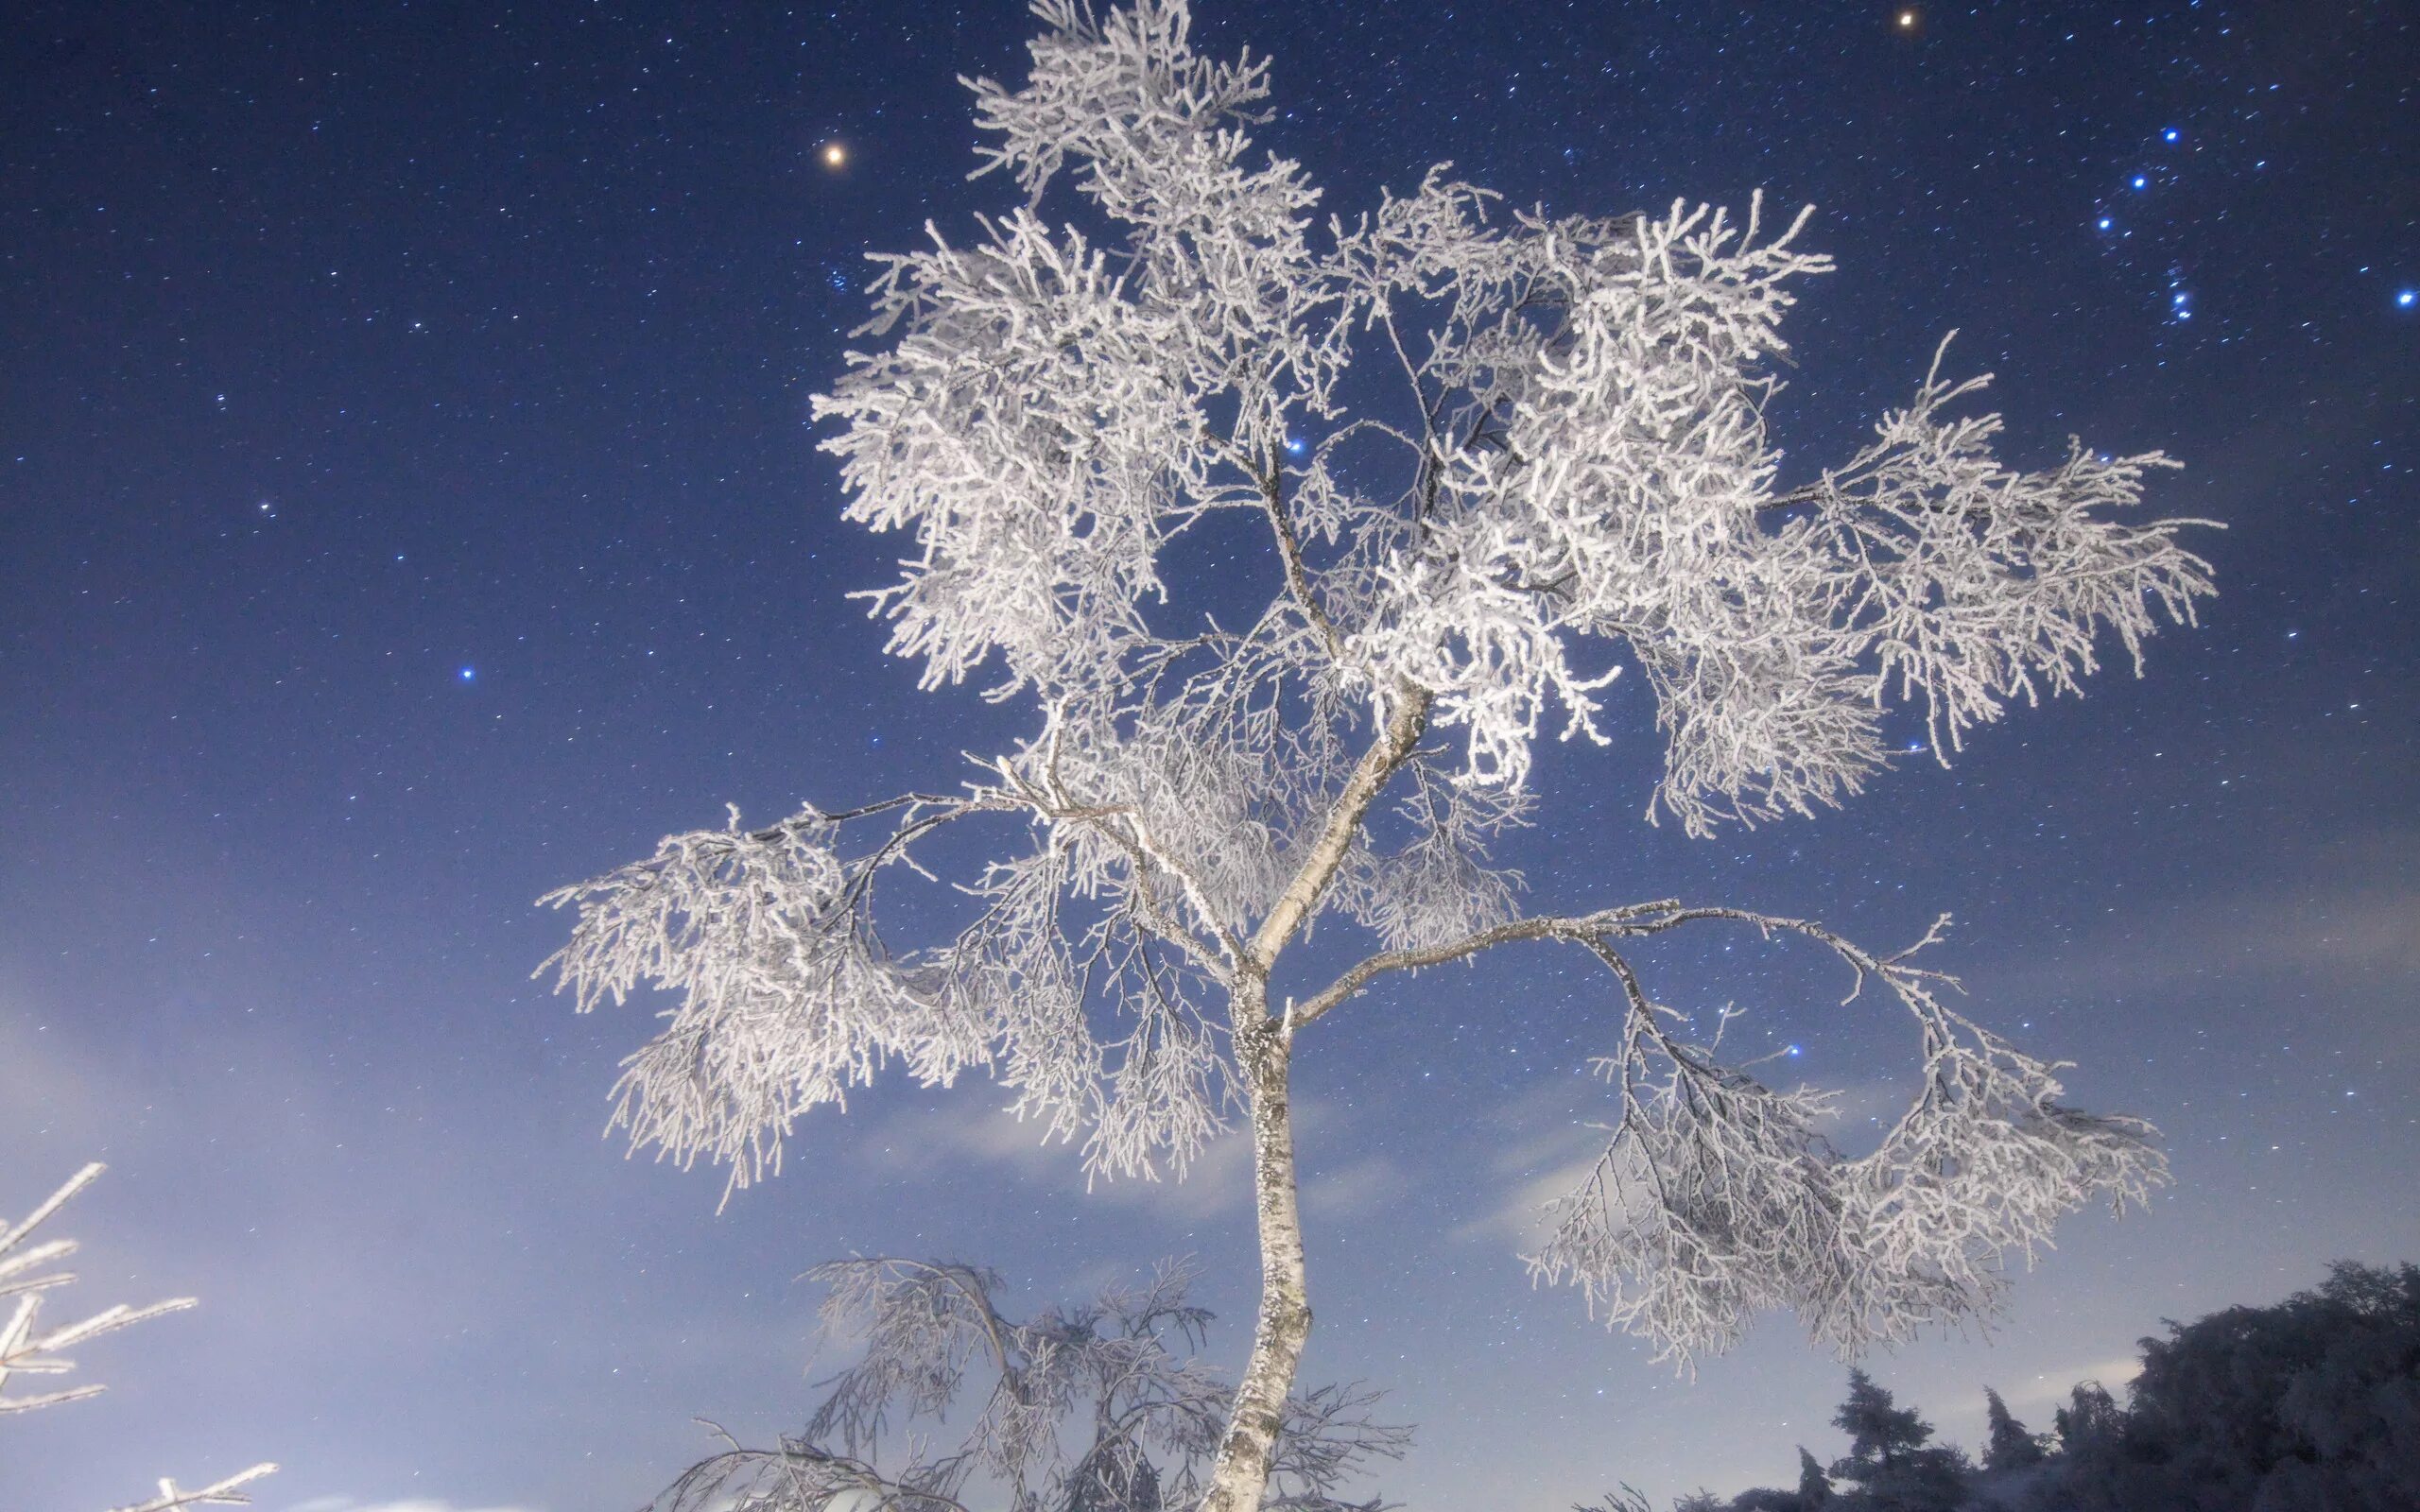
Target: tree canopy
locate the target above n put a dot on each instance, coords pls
(1494, 459)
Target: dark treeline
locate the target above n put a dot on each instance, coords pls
(2309, 1405)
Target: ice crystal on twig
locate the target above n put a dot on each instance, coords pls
(26, 1273)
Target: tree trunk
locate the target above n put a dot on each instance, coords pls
(1264, 1051)
(1264, 1048)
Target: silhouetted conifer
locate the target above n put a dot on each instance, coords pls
(2010, 1447)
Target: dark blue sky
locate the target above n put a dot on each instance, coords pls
(407, 506)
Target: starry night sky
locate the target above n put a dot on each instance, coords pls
(407, 506)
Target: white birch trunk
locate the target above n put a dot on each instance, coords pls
(1265, 1051)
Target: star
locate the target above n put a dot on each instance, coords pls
(469, 674)
(2404, 300)
(1906, 20)
(835, 155)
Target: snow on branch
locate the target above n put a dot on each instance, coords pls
(1976, 583)
(1717, 1197)
(1589, 479)
(790, 997)
(28, 1349)
(228, 1492)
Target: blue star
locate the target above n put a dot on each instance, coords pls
(1295, 444)
(2105, 223)
(2404, 299)
(2141, 182)
(470, 674)
(2169, 135)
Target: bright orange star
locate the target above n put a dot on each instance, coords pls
(835, 155)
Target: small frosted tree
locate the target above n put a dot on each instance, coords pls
(1116, 1379)
(1493, 461)
(26, 1272)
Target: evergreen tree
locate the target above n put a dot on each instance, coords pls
(1814, 1487)
(1882, 1434)
(2011, 1447)
(1888, 1454)
(2308, 1403)
(2092, 1417)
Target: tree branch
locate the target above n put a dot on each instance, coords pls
(1289, 550)
(1629, 921)
(1578, 928)
(1394, 743)
(1142, 852)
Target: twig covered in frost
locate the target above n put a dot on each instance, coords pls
(28, 1349)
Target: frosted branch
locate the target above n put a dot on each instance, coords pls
(1716, 1197)
(27, 1349)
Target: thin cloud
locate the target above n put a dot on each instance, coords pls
(2051, 1387)
(1360, 1188)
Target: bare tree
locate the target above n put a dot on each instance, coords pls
(1119, 1374)
(1491, 461)
(27, 1349)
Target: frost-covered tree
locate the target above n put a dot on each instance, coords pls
(1495, 460)
(28, 1270)
(1098, 1408)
